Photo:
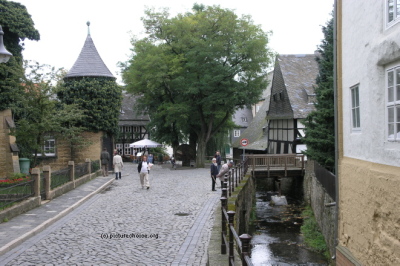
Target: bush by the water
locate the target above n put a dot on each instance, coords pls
(313, 237)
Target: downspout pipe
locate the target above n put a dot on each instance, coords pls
(336, 115)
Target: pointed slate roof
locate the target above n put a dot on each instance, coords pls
(89, 63)
(293, 83)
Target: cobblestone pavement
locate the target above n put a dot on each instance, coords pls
(169, 224)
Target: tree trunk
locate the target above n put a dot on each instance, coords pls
(201, 153)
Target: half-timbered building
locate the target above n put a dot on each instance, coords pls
(292, 99)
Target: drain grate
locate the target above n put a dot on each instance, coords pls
(182, 214)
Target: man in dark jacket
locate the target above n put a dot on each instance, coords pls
(214, 173)
(105, 159)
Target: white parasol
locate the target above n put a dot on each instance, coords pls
(145, 143)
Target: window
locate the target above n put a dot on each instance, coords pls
(236, 133)
(392, 11)
(355, 107)
(244, 119)
(393, 103)
(49, 147)
(127, 149)
(119, 147)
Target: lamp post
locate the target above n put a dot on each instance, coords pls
(4, 54)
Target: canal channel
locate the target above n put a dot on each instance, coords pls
(277, 239)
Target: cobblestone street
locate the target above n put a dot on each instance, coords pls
(169, 224)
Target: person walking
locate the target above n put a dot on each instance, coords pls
(117, 165)
(144, 171)
(150, 159)
(105, 159)
(214, 173)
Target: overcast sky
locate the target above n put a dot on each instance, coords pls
(296, 25)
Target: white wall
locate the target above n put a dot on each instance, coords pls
(368, 49)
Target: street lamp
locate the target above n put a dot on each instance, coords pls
(4, 54)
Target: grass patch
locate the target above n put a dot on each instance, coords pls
(313, 237)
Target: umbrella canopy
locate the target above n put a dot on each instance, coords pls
(145, 143)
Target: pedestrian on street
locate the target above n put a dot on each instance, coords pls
(105, 159)
(214, 173)
(144, 171)
(218, 157)
(224, 169)
(117, 165)
(151, 158)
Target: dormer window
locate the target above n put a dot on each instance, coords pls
(312, 98)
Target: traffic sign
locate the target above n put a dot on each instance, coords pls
(244, 142)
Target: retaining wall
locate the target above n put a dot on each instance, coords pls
(316, 196)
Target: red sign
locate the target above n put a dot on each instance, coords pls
(244, 142)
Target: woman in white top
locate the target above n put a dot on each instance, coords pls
(144, 170)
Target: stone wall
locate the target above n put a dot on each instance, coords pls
(65, 154)
(369, 215)
(242, 201)
(8, 162)
(316, 197)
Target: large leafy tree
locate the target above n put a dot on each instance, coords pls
(320, 124)
(17, 26)
(195, 69)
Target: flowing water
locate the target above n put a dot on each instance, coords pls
(276, 232)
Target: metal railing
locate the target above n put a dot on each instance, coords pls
(326, 178)
(231, 180)
(81, 169)
(15, 193)
(60, 177)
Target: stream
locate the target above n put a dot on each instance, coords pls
(276, 232)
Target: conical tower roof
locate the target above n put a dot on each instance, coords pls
(89, 62)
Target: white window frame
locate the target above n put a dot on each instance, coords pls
(396, 12)
(127, 149)
(119, 147)
(49, 147)
(236, 133)
(355, 108)
(393, 104)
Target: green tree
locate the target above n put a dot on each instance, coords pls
(17, 26)
(320, 124)
(99, 97)
(195, 69)
(39, 114)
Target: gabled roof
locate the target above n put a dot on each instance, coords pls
(242, 113)
(128, 116)
(255, 132)
(89, 63)
(294, 76)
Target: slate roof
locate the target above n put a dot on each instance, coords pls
(257, 136)
(89, 63)
(129, 117)
(299, 74)
(239, 114)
